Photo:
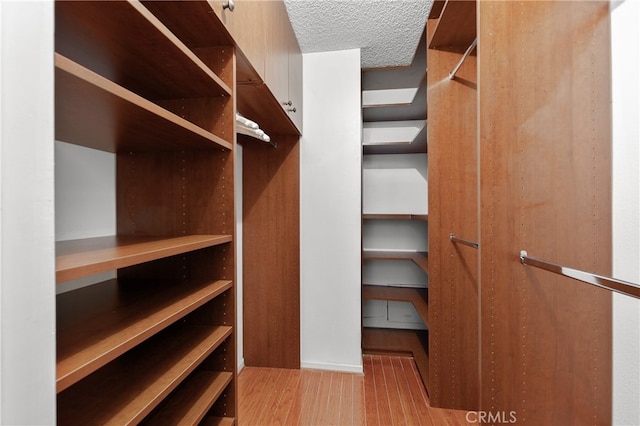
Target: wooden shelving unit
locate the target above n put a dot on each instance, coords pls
(157, 342)
(97, 324)
(416, 296)
(80, 258)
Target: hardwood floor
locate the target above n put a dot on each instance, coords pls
(389, 393)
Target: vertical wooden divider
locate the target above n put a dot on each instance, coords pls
(271, 256)
(453, 207)
(545, 167)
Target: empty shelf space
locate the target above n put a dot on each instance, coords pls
(373, 216)
(124, 42)
(392, 132)
(456, 27)
(95, 112)
(96, 324)
(378, 340)
(81, 258)
(190, 402)
(400, 294)
(420, 258)
(131, 386)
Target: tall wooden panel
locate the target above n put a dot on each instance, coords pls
(271, 256)
(453, 208)
(545, 166)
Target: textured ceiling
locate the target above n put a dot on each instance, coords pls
(387, 31)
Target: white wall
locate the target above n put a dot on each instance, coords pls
(626, 209)
(27, 251)
(330, 212)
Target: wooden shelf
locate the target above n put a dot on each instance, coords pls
(130, 387)
(384, 340)
(420, 258)
(116, 119)
(218, 421)
(80, 258)
(192, 400)
(422, 217)
(456, 27)
(96, 324)
(417, 296)
(114, 39)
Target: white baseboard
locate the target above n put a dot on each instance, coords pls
(343, 368)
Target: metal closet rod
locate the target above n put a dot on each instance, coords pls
(457, 240)
(624, 287)
(452, 74)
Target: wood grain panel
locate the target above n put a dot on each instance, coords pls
(453, 207)
(545, 142)
(271, 254)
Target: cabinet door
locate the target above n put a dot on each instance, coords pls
(276, 71)
(247, 26)
(295, 79)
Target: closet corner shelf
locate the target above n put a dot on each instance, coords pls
(417, 296)
(81, 258)
(95, 112)
(456, 27)
(130, 387)
(87, 342)
(116, 39)
(420, 258)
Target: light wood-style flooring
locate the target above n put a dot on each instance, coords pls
(389, 393)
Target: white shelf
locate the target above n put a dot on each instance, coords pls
(391, 132)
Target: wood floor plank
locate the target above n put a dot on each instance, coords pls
(370, 394)
(309, 400)
(396, 404)
(390, 392)
(290, 393)
(404, 392)
(417, 396)
(382, 393)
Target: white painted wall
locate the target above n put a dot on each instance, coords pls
(27, 250)
(330, 212)
(626, 209)
(395, 184)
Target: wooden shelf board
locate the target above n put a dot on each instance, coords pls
(436, 9)
(81, 258)
(218, 421)
(190, 402)
(131, 386)
(422, 217)
(113, 39)
(256, 102)
(383, 340)
(98, 323)
(420, 258)
(116, 119)
(417, 296)
(456, 27)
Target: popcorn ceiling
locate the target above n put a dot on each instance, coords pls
(387, 31)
